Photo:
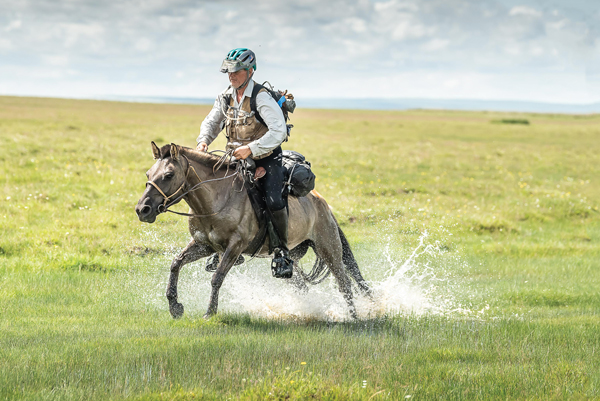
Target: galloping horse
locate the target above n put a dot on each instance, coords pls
(222, 220)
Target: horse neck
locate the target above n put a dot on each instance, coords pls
(209, 197)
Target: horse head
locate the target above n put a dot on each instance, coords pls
(166, 179)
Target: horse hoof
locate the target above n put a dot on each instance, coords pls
(176, 310)
(207, 316)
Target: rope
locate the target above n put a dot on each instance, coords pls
(225, 108)
(167, 199)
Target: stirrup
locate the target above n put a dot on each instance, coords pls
(282, 266)
(213, 263)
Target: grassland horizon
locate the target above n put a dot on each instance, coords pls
(511, 209)
(381, 104)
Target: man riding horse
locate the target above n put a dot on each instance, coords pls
(249, 137)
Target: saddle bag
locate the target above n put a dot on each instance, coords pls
(299, 178)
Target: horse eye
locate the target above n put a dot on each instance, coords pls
(168, 176)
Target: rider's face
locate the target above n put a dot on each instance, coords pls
(237, 78)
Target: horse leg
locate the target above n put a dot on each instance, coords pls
(329, 247)
(297, 279)
(192, 252)
(352, 266)
(229, 257)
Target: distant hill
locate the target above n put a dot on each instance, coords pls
(452, 104)
(400, 104)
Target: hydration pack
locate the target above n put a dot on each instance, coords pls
(283, 99)
(299, 178)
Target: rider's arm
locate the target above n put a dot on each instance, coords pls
(211, 126)
(271, 113)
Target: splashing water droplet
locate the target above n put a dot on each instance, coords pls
(404, 280)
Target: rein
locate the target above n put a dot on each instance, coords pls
(164, 207)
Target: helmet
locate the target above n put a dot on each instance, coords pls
(239, 59)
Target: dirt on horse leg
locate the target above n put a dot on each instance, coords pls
(346, 290)
(190, 253)
(229, 257)
(297, 280)
(332, 255)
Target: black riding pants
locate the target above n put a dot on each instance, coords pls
(272, 183)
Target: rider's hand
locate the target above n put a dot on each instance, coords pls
(202, 147)
(242, 152)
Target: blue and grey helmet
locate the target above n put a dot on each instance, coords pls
(239, 59)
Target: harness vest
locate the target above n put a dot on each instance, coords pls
(242, 127)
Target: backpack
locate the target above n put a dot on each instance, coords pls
(288, 105)
(279, 98)
(299, 178)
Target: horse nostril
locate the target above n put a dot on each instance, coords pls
(145, 210)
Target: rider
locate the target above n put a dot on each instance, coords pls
(250, 138)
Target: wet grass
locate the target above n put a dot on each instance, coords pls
(520, 200)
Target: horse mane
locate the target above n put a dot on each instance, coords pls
(204, 158)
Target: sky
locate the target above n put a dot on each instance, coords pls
(528, 50)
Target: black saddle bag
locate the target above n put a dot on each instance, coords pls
(299, 178)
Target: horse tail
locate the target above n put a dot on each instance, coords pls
(351, 264)
(319, 272)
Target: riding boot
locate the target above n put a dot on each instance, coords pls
(213, 262)
(282, 265)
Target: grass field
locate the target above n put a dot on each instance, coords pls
(505, 303)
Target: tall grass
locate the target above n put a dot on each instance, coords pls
(520, 202)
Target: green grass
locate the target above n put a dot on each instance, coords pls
(82, 317)
(511, 121)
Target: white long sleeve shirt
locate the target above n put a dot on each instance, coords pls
(266, 106)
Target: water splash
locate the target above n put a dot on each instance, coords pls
(423, 281)
(417, 280)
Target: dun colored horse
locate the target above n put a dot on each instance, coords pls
(222, 221)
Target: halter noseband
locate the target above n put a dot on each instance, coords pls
(162, 208)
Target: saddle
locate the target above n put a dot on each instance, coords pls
(252, 184)
(300, 180)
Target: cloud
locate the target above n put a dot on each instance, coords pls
(143, 44)
(5, 44)
(56, 60)
(523, 10)
(157, 45)
(81, 35)
(16, 24)
(436, 44)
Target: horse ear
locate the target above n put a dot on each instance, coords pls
(174, 152)
(155, 151)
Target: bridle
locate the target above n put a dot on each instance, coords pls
(168, 201)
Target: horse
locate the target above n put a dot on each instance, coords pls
(222, 220)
